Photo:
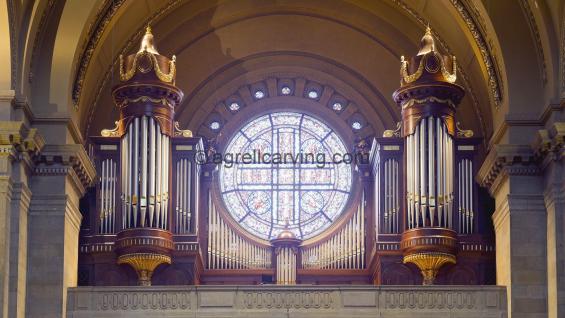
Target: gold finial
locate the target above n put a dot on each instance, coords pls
(427, 44)
(147, 42)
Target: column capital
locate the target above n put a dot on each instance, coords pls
(69, 160)
(19, 142)
(507, 160)
(548, 145)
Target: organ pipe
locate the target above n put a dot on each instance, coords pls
(429, 196)
(146, 175)
(344, 250)
(107, 196)
(229, 250)
(465, 189)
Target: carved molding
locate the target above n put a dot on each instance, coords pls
(505, 160)
(105, 13)
(470, 15)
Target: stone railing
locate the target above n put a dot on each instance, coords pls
(287, 301)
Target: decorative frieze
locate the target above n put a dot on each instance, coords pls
(333, 301)
(274, 299)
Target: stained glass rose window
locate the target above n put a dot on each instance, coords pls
(279, 169)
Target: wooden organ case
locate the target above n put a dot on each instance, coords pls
(155, 215)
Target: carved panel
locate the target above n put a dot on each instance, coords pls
(288, 299)
(429, 300)
(127, 301)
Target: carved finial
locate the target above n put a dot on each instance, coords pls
(427, 44)
(148, 42)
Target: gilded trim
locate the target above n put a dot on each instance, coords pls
(182, 132)
(111, 132)
(127, 75)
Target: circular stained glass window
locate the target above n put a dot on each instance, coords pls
(282, 172)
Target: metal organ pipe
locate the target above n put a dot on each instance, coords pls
(145, 156)
(143, 192)
(152, 133)
(344, 250)
(229, 250)
(465, 190)
(429, 155)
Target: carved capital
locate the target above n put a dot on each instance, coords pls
(548, 145)
(66, 159)
(506, 160)
(17, 141)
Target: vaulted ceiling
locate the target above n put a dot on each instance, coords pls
(65, 59)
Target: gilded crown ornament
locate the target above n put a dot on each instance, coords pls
(428, 78)
(147, 86)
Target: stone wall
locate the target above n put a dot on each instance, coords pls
(287, 301)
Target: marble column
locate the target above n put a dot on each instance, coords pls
(60, 176)
(514, 179)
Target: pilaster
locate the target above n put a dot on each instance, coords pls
(551, 154)
(512, 175)
(61, 175)
(18, 144)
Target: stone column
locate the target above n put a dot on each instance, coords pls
(5, 201)
(18, 144)
(61, 174)
(550, 152)
(514, 180)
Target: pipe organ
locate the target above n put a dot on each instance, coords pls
(413, 214)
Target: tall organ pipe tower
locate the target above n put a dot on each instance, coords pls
(146, 98)
(428, 97)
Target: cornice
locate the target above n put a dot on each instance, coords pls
(506, 160)
(66, 159)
